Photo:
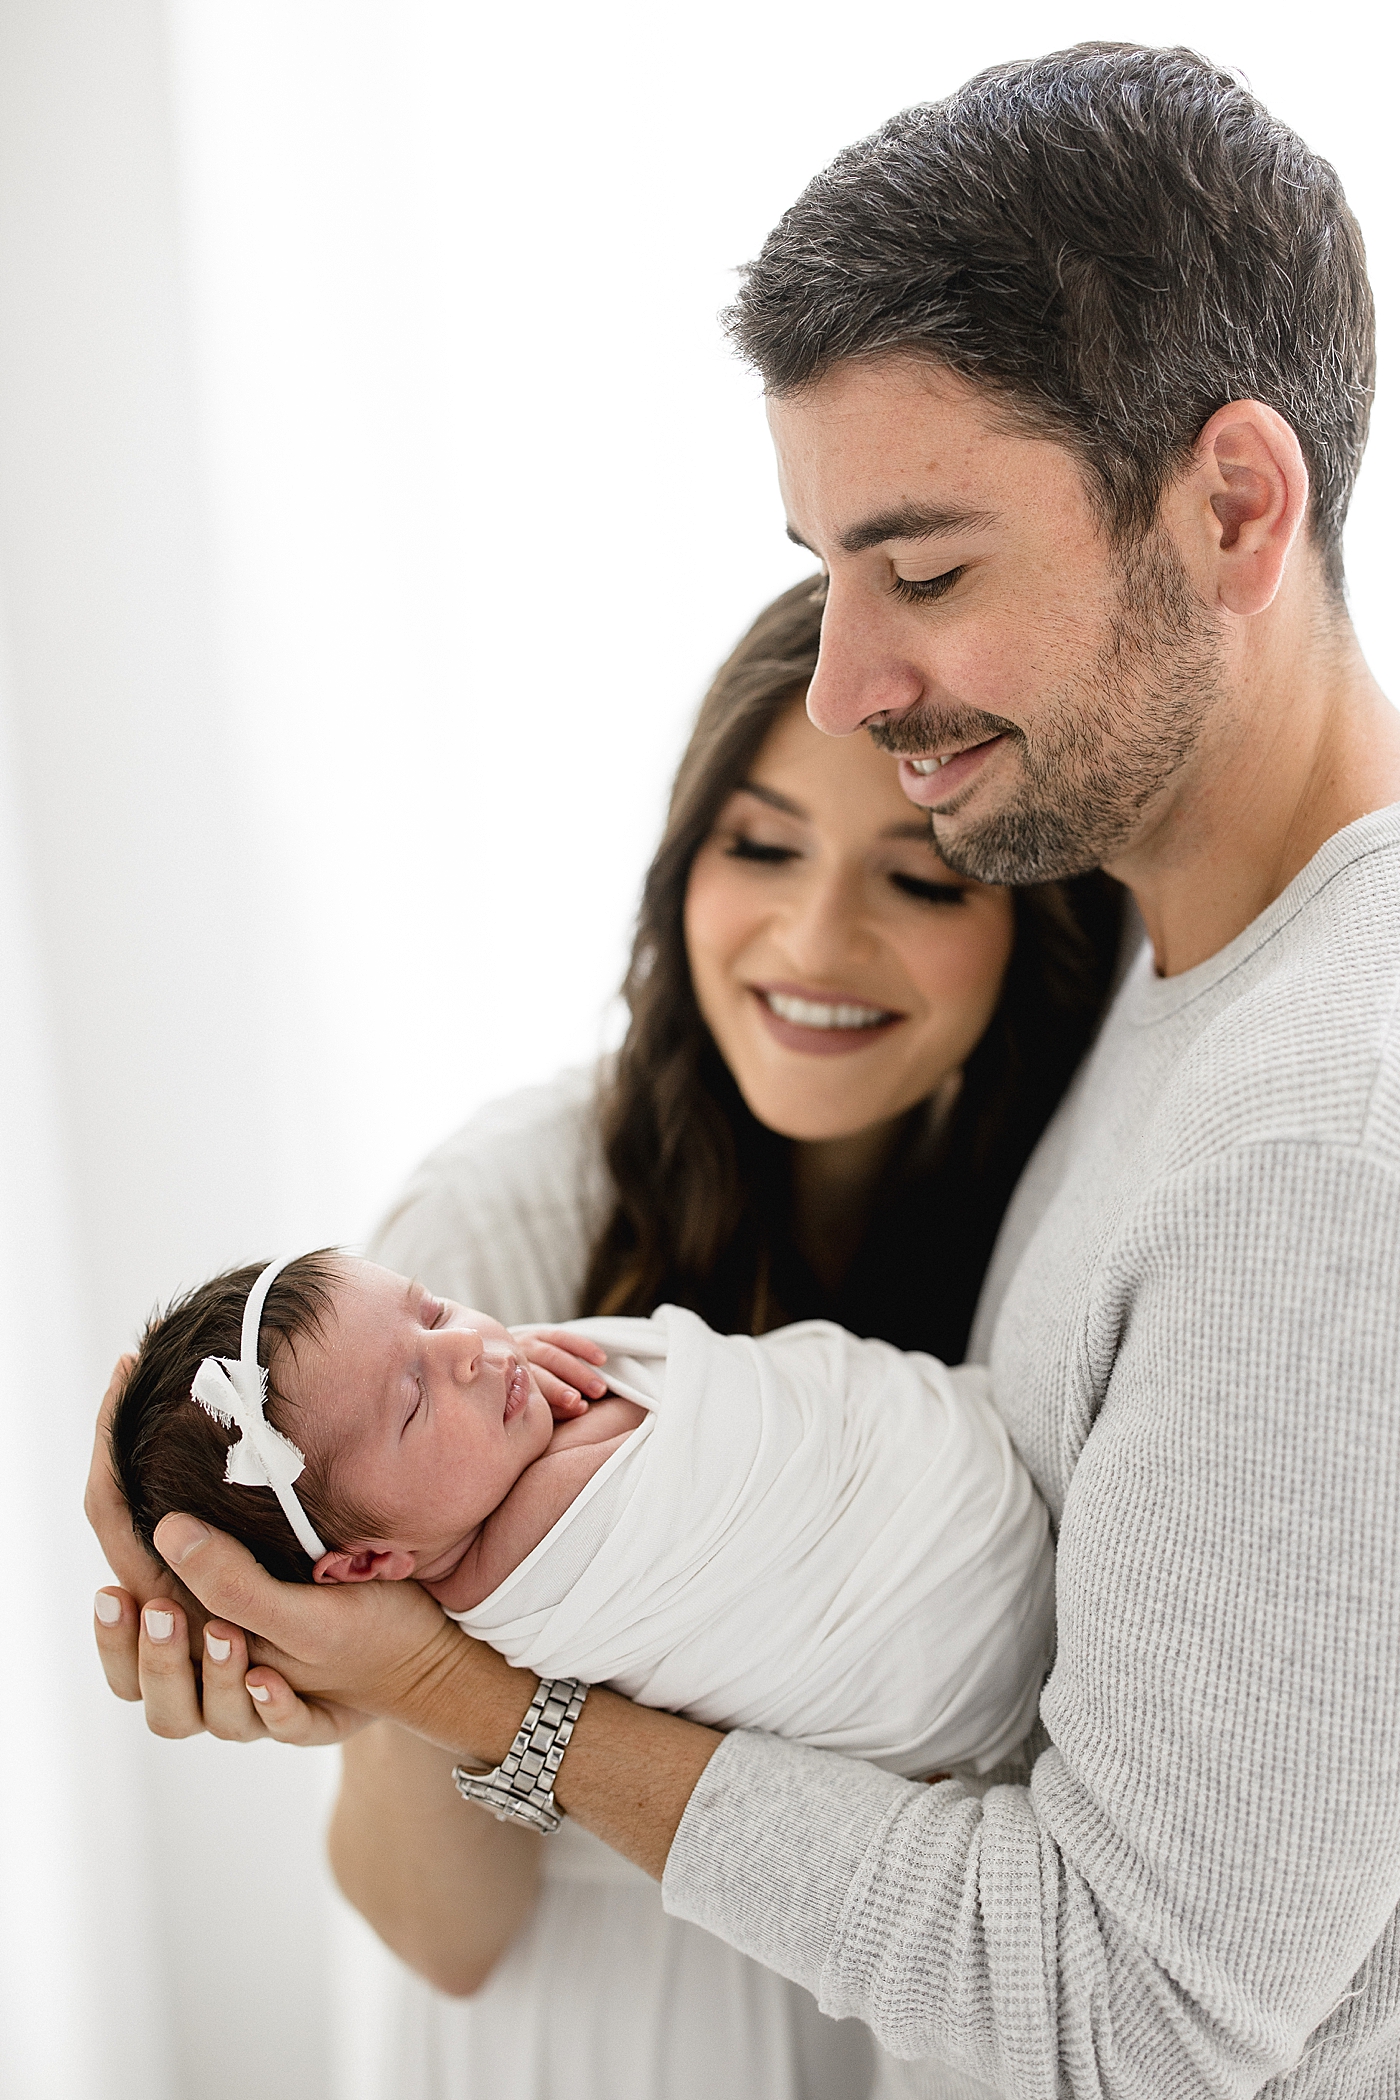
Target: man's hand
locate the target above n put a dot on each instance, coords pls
(565, 1368)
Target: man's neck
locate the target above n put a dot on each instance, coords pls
(1304, 744)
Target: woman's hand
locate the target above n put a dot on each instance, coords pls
(565, 1368)
(385, 1648)
(347, 1649)
(105, 1506)
(155, 1645)
(191, 1681)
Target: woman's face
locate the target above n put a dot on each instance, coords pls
(842, 969)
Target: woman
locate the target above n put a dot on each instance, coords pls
(839, 1057)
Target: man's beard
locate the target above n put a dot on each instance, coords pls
(1113, 737)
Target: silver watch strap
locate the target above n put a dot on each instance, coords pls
(521, 1789)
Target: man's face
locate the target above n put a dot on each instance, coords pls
(1047, 691)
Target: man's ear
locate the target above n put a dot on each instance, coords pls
(365, 1564)
(1252, 482)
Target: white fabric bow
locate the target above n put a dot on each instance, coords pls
(234, 1391)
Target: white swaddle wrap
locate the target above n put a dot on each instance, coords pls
(824, 1538)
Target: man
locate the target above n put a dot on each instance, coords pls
(1068, 381)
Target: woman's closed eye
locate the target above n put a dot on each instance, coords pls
(741, 847)
(922, 590)
(928, 891)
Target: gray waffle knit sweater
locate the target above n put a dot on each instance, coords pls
(1194, 1329)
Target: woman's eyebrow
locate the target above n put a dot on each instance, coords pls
(772, 798)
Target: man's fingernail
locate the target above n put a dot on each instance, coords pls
(177, 1537)
(260, 1693)
(108, 1608)
(160, 1624)
(220, 1650)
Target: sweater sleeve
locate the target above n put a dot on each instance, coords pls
(1204, 1858)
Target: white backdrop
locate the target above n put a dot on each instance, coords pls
(376, 495)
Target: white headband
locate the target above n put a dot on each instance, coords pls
(234, 1393)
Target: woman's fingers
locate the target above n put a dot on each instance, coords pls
(306, 1723)
(138, 1571)
(145, 1655)
(106, 1507)
(365, 1645)
(116, 1622)
(165, 1672)
(229, 1712)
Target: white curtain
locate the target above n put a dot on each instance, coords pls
(375, 496)
(165, 1907)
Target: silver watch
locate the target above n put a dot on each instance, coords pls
(521, 1789)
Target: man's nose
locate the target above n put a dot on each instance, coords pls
(861, 675)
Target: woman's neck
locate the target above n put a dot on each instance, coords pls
(833, 1187)
(833, 1181)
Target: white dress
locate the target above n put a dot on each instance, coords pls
(601, 1996)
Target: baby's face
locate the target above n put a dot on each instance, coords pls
(427, 1413)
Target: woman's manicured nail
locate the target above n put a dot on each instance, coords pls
(220, 1650)
(160, 1624)
(260, 1693)
(177, 1537)
(108, 1609)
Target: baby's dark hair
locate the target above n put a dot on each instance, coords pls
(170, 1454)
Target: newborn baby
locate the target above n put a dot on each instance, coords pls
(805, 1533)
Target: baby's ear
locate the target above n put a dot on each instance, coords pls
(365, 1564)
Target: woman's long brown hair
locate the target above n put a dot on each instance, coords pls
(704, 1210)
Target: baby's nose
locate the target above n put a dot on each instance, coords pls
(467, 1350)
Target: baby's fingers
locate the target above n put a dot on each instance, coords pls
(565, 1401)
(554, 1350)
(582, 1346)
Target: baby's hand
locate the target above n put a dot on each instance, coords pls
(564, 1368)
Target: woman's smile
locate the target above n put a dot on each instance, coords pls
(843, 971)
(820, 1022)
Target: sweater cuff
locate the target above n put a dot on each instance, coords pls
(769, 1845)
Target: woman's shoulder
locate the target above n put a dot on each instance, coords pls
(503, 1213)
(525, 1131)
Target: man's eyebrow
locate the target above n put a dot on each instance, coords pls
(907, 521)
(911, 521)
(772, 798)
